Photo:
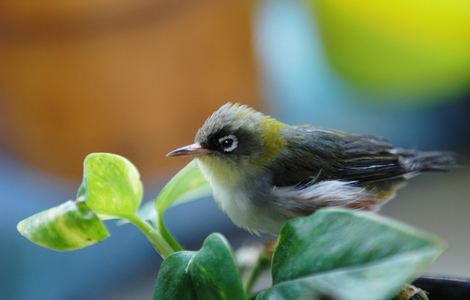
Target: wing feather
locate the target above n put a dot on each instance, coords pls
(334, 155)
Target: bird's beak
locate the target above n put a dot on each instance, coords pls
(194, 149)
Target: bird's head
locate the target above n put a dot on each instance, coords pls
(235, 136)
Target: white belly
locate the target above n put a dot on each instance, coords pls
(240, 208)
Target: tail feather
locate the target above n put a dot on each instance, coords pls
(429, 161)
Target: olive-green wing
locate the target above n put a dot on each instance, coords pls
(315, 154)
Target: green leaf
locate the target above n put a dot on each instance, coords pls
(187, 185)
(213, 271)
(209, 273)
(344, 254)
(69, 226)
(111, 185)
(173, 281)
(148, 212)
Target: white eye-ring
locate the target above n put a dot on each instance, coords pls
(229, 142)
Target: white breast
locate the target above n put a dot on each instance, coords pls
(239, 207)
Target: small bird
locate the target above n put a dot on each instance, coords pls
(264, 172)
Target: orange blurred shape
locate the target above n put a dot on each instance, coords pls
(130, 77)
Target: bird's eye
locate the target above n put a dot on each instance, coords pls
(228, 143)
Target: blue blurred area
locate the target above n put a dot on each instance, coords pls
(70, 275)
(31, 272)
(301, 87)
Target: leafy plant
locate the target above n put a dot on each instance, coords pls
(344, 254)
(332, 254)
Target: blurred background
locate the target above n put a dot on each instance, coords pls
(139, 77)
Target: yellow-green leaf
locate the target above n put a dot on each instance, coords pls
(69, 226)
(111, 185)
(188, 184)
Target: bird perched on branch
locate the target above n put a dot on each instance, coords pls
(264, 172)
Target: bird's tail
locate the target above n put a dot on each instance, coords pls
(424, 161)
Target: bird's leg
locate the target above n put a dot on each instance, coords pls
(263, 262)
(254, 260)
(410, 292)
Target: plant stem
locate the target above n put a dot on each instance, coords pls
(155, 238)
(167, 235)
